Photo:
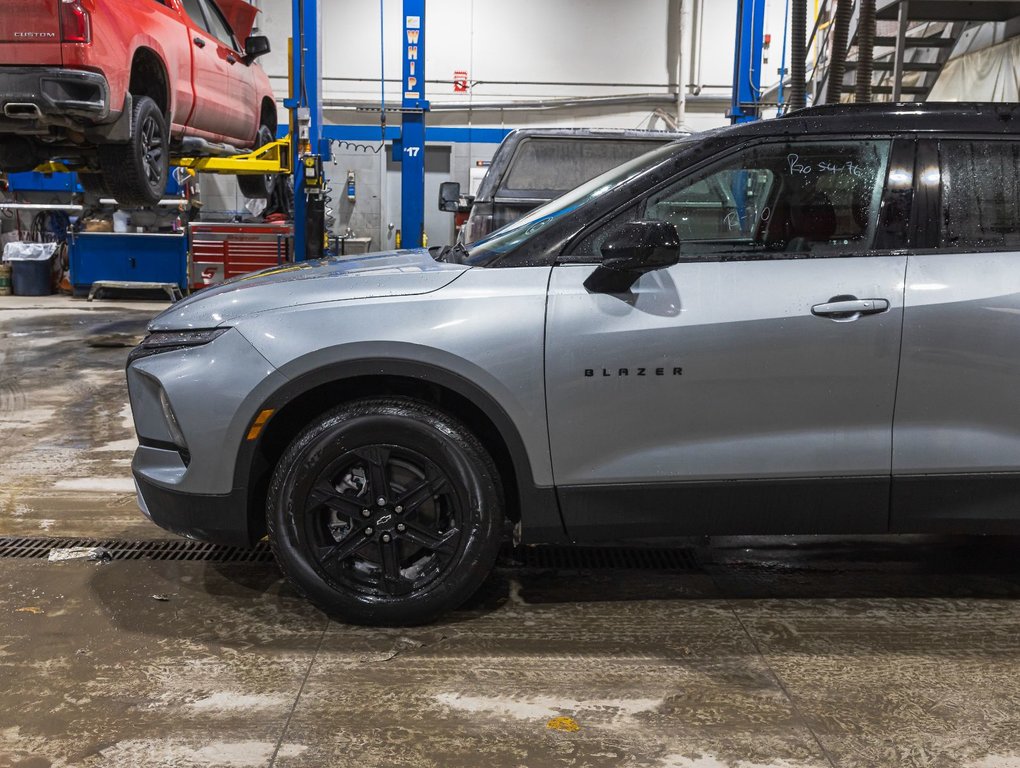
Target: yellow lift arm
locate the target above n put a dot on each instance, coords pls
(273, 158)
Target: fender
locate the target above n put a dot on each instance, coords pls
(540, 514)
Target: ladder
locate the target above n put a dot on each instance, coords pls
(913, 42)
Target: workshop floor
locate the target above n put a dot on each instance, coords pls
(764, 652)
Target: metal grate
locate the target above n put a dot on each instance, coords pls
(596, 558)
(544, 557)
(168, 549)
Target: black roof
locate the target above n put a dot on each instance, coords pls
(887, 117)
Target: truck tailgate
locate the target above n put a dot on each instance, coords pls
(30, 33)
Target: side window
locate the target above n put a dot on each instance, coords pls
(194, 11)
(980, 195)
(803, 198)
(218, 26)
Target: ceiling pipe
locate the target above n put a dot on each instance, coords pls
(798, 53)
(697, 22)
(865, 51)
(840, 38)
(633, 99)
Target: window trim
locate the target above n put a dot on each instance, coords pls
(567, 252)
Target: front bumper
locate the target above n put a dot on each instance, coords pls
(215, 391)
(217, 519)
(51, 95)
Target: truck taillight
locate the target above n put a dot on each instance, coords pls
(75, 22)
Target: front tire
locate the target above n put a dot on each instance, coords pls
(136, 173)
(386, 512)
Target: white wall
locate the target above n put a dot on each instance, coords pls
(526, 49)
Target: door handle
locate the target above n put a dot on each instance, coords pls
(231, 59)
(200, 42)
(843, 308)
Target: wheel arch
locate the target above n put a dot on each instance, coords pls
(149, 77)
(302, 399)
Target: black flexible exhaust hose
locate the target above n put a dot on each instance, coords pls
(837, 64)
(798, 53)
(865, 51)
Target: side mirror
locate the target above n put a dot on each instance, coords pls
(631, 250)
(254, 47)
(449, 196)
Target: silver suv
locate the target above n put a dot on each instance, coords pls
(805, 325)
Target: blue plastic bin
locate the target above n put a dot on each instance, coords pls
(32, 278)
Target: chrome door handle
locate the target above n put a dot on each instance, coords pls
(199, 42)
(849, 307)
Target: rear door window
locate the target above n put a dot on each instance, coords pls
(194, 10)
(980, 195)
(558, 165)
(218, 26)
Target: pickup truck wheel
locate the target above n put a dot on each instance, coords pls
(259, 187)
(386, 512)
(136, 172)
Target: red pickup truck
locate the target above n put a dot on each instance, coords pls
(114, 88)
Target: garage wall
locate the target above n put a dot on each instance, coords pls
(522, 51)
(528, 49)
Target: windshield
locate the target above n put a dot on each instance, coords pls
(517, 232)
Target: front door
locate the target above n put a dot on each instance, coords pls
(749, 388)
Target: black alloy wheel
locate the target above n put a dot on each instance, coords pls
(386, 512)
(153, 149)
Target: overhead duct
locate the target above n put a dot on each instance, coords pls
(798, 53)
(840, 36)
(865, 51)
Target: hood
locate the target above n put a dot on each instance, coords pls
(391, 273)
(240, 16)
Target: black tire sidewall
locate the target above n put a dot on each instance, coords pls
(414, 426)
(259, 187)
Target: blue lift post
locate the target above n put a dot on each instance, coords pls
(747, 61)
(309, 148)
(410, 151)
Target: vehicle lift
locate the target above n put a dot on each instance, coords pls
(306, 156)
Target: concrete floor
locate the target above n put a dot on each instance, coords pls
(771, 652)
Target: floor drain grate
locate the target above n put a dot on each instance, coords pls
(39, 548)
(595, 558)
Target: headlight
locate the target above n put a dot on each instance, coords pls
(168, 341)
(176, 435)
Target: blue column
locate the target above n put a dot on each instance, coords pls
(307, 68)
(411, 150)
(747, 61)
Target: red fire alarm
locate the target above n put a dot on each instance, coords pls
(460, 81)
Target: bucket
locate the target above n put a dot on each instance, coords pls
(32, 278)
(5, 279)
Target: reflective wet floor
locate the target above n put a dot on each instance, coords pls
(762, 652)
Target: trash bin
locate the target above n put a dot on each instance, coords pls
(31, 267)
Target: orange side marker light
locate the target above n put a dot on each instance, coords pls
(259, 423)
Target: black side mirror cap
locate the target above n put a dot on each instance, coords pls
(631, 250)
(449, 196)
(254, 47)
